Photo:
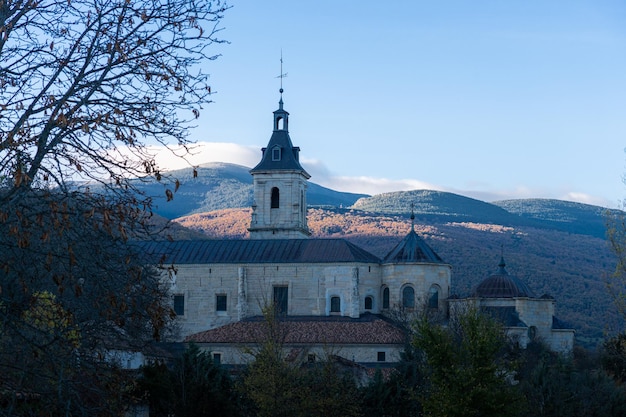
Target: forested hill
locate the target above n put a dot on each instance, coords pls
(221, 186)
(441, 206)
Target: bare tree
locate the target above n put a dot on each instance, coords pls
(85, 87)
(85, 83)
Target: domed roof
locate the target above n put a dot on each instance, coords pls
(502, 285)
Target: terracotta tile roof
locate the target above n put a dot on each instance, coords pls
(255, 251)
(368, 329)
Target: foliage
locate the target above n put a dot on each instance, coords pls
(466, 371)
(70, 293)
(613, 356)
(616, 235)
(559, 386)
(275, 385)
(396, 395)
(195, 386)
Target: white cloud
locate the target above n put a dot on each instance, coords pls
(249, 156)
(205, 152)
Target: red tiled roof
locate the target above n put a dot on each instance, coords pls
(307, 330)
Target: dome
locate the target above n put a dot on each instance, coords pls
(502, 285)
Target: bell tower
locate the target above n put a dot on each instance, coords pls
(280, 184)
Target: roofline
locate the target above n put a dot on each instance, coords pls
(283, 170)
(383, 262)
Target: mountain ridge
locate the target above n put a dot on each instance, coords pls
(220, 185)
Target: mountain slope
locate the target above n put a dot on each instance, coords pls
(223, 186)
(560, 215)
(220, 186)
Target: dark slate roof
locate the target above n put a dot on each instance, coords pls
(255, 251)
(412, 249)
(502, 285)
(506, 315)
(289, 155)
(367, 329)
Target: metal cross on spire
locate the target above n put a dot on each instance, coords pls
(282, 74)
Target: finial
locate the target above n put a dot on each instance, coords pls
(412, 217)
(502, 264)
(282, 75)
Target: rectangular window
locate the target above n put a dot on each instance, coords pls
(381, 356)
(281, 296)
(179, 304)
(217, 358)
(220, 302)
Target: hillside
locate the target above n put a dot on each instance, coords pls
(223, 186)
(561, 264)
(220, 186)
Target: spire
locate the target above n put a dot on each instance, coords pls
(281, 76)
(281, 116)
(412, 217)
(502, 264)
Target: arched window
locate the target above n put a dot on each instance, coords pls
(386, 298)
(275, 198)
(369, 301)
(408, 297)
(433, 297)
(280, 123)
(335, 304)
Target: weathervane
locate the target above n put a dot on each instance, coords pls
(282, 74)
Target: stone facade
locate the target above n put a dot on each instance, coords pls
(310, 288)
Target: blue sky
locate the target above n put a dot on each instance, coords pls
(489, 99)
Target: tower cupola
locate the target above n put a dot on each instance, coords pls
(279, 183)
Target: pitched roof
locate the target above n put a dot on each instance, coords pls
(288, 155)
(255, 251)
(368, 329)
(412, 249)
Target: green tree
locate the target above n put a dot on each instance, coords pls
(559, 386)
(616, 236)
(194, 386)
(397, 395)
(466, 370)
(276, 386)
(613, 356)
(269, 382)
